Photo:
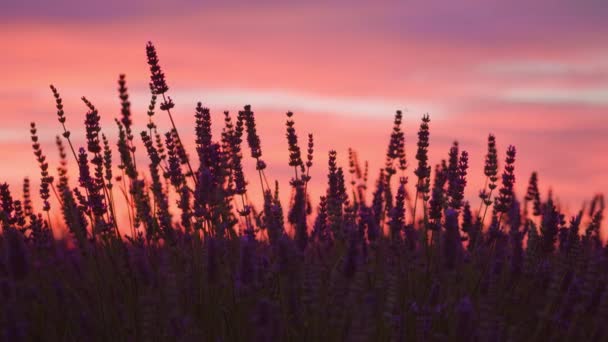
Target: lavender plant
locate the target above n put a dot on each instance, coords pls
(200, 261)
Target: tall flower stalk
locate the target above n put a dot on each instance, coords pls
(159, 86)
(506, 196)
(423, 171)
(46, 180)
(491, 172)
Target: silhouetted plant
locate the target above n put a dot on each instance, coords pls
(221, 269)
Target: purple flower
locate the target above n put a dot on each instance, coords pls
(533, 194)
(438, 195)
(457, 173)
(295, 157)
(174, 170)
(397, 213)
(424, 170)
(203, 133)
(46, 180)
(396, 147)
(158, 83)
(248, 118)
(505, 197)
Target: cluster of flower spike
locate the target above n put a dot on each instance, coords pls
(202, 256)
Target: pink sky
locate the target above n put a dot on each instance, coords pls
(535, 75)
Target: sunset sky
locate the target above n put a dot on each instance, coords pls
(534, 73)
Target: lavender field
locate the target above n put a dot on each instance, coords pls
(199, 256)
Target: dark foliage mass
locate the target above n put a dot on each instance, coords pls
(200, 261)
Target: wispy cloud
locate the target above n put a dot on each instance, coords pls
(284, 100)
(552, 96)
(546, 68)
